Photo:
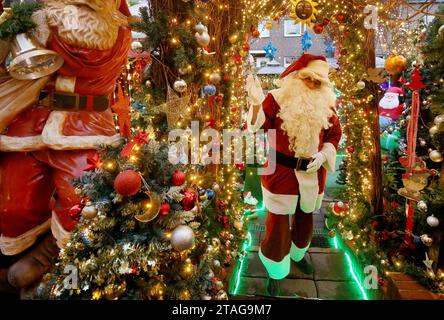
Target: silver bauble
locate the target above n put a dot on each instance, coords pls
(216, 187)
(180, 86)
(148, 84)
(432, 221)
(215, 78)
(182, 238)
(200, 28)
(422, 205)
(137, 47)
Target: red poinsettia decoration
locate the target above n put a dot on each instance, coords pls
(94, 163)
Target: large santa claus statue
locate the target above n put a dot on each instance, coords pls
(49, 128)
(390, 106)
(307, 132)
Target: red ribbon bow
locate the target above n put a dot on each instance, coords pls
(139, 139)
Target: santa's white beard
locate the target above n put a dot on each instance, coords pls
(388, 104)
(304, 113)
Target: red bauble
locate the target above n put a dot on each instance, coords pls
(127, 183)
(178, 178)
(256, 34)
(189, 200)
(340, 17)
(165, 208)
(318, 29)
(246, 47)
(332, 233)
(350, 149)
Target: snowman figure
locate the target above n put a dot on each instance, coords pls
(390, 106)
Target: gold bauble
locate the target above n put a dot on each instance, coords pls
(433, 130)
(269, 25)
(151, 208)
(233, 38)
(436, 156)
(89, 212)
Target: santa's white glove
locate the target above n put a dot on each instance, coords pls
(254, 90)
(318, 160)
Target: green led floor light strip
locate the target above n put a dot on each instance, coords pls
(245, 247)
(351, 268)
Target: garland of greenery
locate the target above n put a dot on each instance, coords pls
(20, 22)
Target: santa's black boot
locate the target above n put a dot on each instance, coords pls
(273, 287)
(305, 266)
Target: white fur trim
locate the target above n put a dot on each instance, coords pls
(13, 246)
(308, 190)
(317, 69)
(60, 234)
(53, 136)
(329, 151)
(297, 254)
(281, 204)
(276, 270)
(319, 201)
(21, 144)
(260, 120)
(65, 84)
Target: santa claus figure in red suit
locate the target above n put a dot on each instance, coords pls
(307, 132)
(390, 106)
(50, 127)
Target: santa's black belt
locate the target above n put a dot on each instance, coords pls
(74, 102)
(299, 164)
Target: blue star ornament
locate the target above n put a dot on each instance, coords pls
(306, 41)
(270, 51)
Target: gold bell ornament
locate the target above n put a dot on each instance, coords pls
(30, 61)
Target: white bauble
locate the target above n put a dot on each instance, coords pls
(432, 221)
(200, 28)
(182, 238)
(203, 39)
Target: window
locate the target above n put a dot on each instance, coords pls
(428, 18)
(261, 62)
(288, 61)
(265, 33)
(291, 29)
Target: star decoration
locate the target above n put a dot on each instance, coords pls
(174, 107)
(121, 108)
(306, 41)
(270, 51)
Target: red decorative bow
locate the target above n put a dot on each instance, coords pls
(139, 139)
(224, 219)
(94, 163)
(75, 211)
(121, 108)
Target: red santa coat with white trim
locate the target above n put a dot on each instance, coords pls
(283, 189)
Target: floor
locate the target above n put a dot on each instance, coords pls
(331, 279)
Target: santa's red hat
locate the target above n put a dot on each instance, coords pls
(309, 65)
(396, 90)
(124, 8)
